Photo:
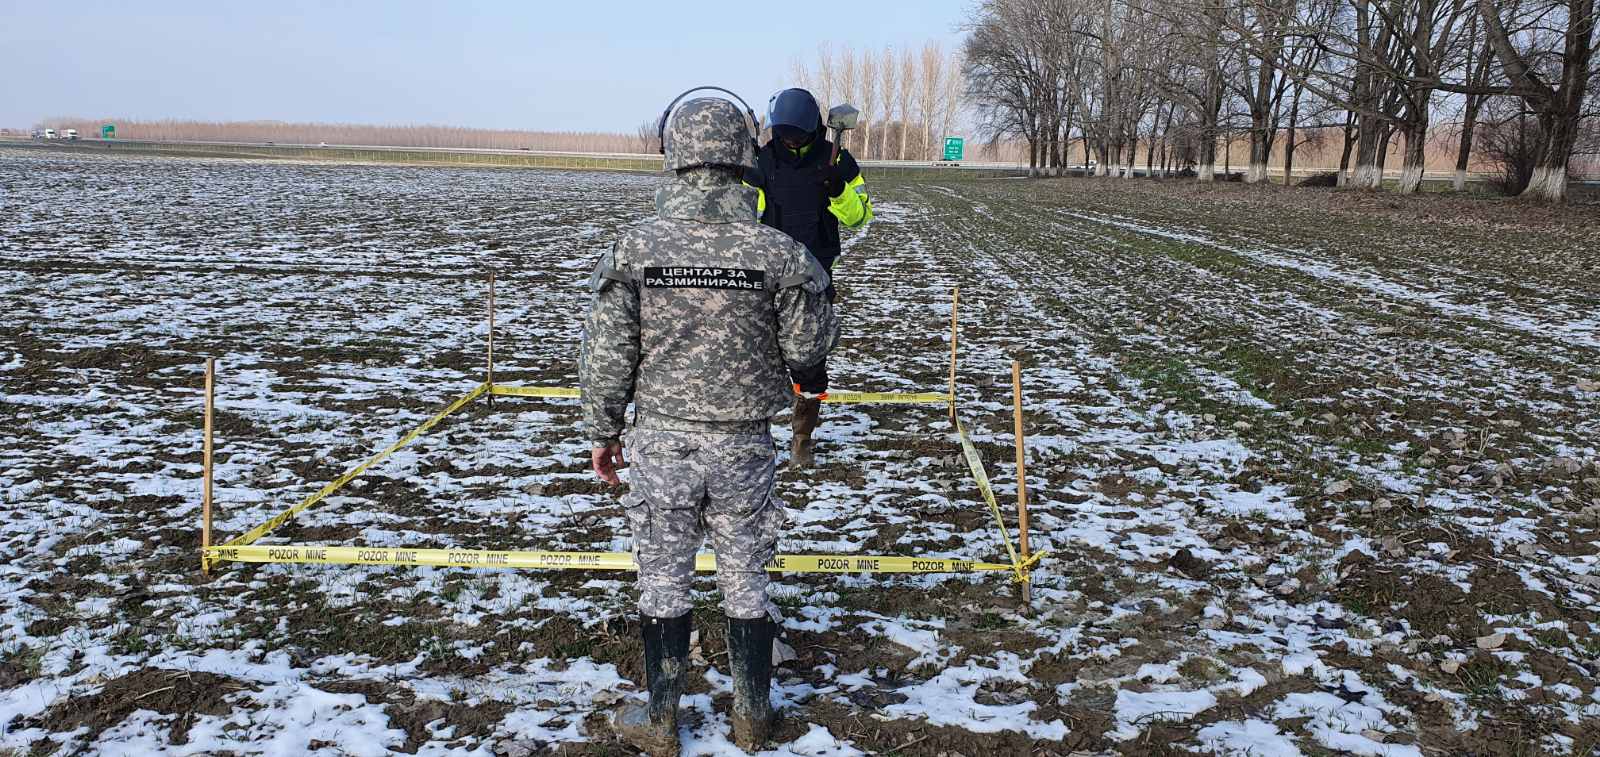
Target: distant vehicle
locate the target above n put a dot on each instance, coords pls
(36, 134)
(322, 144)
(72, 134)
(49, 133)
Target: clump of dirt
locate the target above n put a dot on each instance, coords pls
(182, 693)
(914, 736)
(1185, 562)
(1432, 605)
(414, 716)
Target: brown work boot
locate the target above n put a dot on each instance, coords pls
(804, 422)
(652, 726)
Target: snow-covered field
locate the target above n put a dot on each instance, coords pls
(1314, 479)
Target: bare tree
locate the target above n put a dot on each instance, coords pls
(649, 136)
(1550, 73)
(1008, 59)
(903, 97)
(930, 83)
(800, 75)
(1476, 69)
(869, 97)
(888, 92)
(827, 79)
(950, 98)
(849, 75)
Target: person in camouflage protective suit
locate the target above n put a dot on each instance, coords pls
(697, 318)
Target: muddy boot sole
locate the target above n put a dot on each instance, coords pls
(753, 736)
(632, 724)
(801, 454)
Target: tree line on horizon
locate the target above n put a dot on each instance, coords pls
(286, 132)
(910, 99)
(1505, 84)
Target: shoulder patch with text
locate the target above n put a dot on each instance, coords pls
(691, 277)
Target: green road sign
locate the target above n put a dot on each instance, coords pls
(953, 148)
(109, 131)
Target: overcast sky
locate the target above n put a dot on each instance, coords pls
(603, 66)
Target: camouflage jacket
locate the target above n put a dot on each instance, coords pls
(697, 315)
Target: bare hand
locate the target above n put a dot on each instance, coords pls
(606, 461)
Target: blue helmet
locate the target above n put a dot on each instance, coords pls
(794, 109)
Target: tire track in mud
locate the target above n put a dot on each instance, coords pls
(1452, 246)
(1423, 418)
(1111, 422)
(1341, 358)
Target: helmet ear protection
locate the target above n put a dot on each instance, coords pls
(661, 127)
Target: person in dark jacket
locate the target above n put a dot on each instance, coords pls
(807, 191)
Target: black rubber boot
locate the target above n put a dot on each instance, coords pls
(653, 726)
(750, 656)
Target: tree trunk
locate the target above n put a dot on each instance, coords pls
(1150, 150)
(1549, 182)
(1288, 146)
(1415, 129)
(1349, 144)
(1416, 157)
(1055, 146)
(1206, 171)
(1258, 154)
(1469, 123)
(1211, 98)
(1166, 134)
(1368, 174)
(1386, 134)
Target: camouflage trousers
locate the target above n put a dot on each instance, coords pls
(687, 485)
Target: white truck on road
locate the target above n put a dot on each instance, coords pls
(72, 135)
(49, 133)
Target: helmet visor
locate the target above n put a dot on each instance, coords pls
(791, 137)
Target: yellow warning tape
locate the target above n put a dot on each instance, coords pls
(981, 477)
(479, 558)
(243, 549)
(866, 398)
(835, 398)
(502, 390)
(333, 486)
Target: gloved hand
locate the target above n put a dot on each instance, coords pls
(835, 180)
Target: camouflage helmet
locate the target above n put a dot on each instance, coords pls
(708, 131)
